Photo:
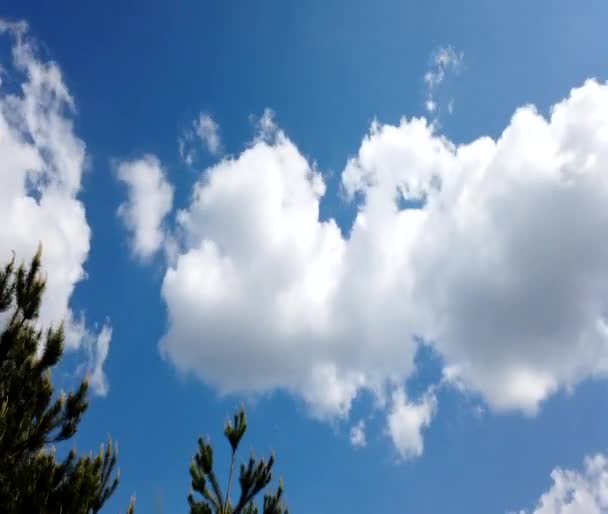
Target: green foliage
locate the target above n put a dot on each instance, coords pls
(254, 477)
(33, 419)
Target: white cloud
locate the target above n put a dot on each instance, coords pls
(204, 129)
(97, 345)
(573, 492)
(98, 378)
(506, 260)
(502, 268)
(444, 60)
(41, 167)
(186, 152)
(266, 126)
(406, 421)
(430, 105)
(150, 200)
(208, 131)
(357, 435)
(258, 272)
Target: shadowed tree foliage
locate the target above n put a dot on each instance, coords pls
(33, 419)
(253, 478)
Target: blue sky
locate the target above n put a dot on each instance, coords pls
(305, 302)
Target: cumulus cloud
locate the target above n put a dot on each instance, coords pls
(262, 281)
(407, 420)
(40, 176)
(506, 261)
(444, 60)
(357, 435)
(258, 270)
(150, 200)
(576, 492)
(491, 251)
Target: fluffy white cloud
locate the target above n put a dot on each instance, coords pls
(406, 422)
(506, 261)
(150, 200)
(490, 251)
(357, 435)
(256, 278)
(41, 166)
(577, 493)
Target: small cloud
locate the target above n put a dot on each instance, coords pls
(96, 344)
(98, 379)
(357, 435)
(150, 200)
(16, 28)
(208, 131)
(407, 420)
(204, 132)
(444, 60)
(186, 153)
(266, 127)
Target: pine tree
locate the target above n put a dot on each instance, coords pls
(254, 477)
(33, 419)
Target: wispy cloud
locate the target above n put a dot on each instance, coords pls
(357, 435)
(208, 131)
(203, 133)
(443, 61)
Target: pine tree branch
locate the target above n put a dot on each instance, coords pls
(218, 491)
(229, 481)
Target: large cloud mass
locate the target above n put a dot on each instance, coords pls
(41, 167)
(493, 252)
